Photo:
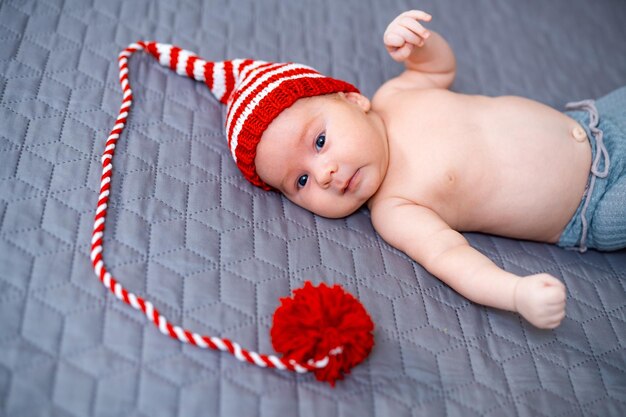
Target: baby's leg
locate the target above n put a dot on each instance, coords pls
(608, 225)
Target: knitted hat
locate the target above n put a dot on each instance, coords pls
(322, 329)
(255, 93)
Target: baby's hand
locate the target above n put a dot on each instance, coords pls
(404, 33)
(540, 299)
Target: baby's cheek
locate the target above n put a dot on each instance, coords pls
(314, 204)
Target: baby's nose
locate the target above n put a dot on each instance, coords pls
(324, 175)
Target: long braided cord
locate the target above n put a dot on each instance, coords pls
(138, 303)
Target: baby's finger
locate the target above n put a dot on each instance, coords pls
(552, 325)
(415, 27)
(417, 14)
(401, 54)
(555, 321)
(554, 310)
(393, 39)
(408, 35)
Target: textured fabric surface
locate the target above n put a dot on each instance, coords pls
(215, 254)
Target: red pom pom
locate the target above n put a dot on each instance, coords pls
(323, 321)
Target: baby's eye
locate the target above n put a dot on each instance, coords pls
(320, 141)
(302, 180)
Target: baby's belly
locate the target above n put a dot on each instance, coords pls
(532, 174)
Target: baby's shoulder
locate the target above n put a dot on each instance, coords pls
(387, 200)
(390, 95)
(389, 92)
(384, 207)
(402, 222)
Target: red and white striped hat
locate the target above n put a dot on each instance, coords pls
(321, 329)
(255, 93)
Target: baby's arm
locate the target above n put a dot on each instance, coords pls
(427, 57)
(445, 253)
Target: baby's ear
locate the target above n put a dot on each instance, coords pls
(358, 99)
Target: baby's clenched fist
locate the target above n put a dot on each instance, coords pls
(406, 32)
(540, 299)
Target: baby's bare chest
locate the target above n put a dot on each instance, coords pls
(482, 163)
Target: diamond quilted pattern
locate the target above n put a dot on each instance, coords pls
(215, 255)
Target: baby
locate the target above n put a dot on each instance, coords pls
(430, 163)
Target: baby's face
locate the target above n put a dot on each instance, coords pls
(328, 154)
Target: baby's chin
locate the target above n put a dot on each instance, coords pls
(334, 212)
(337, 209)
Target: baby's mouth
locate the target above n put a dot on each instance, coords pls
(349, 185)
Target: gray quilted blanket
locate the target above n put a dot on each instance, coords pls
(214, 254)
